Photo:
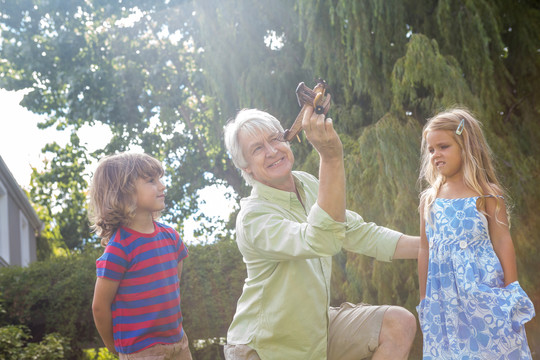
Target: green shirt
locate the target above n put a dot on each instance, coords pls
(288, 248)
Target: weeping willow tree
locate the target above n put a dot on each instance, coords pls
(391, 65)
(401, 62)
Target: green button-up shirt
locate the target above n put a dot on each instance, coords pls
(288, 248)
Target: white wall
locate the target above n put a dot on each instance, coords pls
(4, 223)
(25, 239)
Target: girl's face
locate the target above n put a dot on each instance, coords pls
(150, 194)
(445, 153)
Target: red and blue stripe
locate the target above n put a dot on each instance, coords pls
(146, 309)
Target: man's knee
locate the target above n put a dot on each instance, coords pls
(398, 325)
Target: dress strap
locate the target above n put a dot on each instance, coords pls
(490, 196)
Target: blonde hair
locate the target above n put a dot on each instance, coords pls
(112, 191)
(478, 170)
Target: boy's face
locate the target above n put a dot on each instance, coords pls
(150, 194)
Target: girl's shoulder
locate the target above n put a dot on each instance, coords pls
(492, 190)
(491, 196)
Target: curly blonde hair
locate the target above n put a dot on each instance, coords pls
(478, 170)
(113, 193)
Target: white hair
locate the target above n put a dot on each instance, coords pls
(253, 122)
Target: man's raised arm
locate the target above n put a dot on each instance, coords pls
(321, 134)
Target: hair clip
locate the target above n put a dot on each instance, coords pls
(460, 127)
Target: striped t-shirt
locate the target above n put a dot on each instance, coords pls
(146, 308)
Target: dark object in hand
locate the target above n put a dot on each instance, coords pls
(318, 98)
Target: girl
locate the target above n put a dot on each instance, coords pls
(136, 302)
(472, 306)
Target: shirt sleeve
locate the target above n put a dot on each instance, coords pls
(369, 238)
(113, 263)
(182, 249)
(262, 232)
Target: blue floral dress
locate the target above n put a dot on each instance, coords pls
(467, 312)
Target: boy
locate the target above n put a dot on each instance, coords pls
(136, 303)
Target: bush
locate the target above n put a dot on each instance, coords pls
(13, 345)
(99, 354)
(53, 296)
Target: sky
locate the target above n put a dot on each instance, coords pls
(21, 142)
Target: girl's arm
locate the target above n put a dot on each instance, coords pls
(104, 294)
(501, 239)
(423, 255)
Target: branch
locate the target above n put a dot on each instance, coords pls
(512, 108)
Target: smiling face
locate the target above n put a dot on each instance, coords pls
(150, 194)
(445, 153)
(269, 160)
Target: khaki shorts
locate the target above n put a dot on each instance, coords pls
(353, 333)
(176, 351)
(353, 330)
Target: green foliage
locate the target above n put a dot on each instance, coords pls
(255, 74)
(209, 349)
(395, 196)
(55, 296)
(211, 283)
(52, 296)
(14, 345)
(99, 354)
(59, 194)
(391, 64)
(354, 45)
(402, 62)
(12, 340)
(422, 77)
(85, 66)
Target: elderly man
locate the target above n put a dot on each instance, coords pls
(287, 231)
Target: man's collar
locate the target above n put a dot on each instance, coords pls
(279, 197)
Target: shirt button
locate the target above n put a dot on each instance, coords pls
(463, 244)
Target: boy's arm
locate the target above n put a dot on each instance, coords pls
(423, 256)
(180, 265)
(104, 294)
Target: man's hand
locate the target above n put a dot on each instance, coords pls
(321, 134)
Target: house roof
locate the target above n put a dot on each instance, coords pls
(19, 196)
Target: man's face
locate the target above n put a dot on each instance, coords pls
(269, 160)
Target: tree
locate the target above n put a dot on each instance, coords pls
(134, 69)
(59, 192)
(402, 62)
(166, 75)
